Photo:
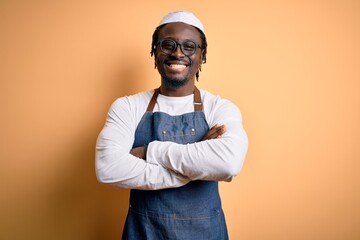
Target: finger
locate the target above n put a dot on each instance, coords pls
(214, 127)
(211, 131)
(218, 131)
(221, 130)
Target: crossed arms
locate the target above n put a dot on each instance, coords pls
(218, 157)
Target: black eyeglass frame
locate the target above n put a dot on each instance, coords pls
(176, 46)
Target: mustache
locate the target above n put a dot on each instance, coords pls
(173, 58)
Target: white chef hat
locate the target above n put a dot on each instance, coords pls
(184, 17)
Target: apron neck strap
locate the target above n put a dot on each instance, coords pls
(197, 100)
(198, 107)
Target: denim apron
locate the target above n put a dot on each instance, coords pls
(189, 212)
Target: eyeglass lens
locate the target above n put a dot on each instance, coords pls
(169, 46)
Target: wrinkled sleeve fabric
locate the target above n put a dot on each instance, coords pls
(215, 159)
(115, 165)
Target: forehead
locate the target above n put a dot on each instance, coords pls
(179, 31)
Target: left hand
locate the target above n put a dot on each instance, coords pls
(138, 152)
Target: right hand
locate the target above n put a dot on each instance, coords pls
(215, 132)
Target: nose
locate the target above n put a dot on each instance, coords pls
(178, 52)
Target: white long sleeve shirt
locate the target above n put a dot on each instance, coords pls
(168, 164)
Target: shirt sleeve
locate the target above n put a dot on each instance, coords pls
(215, 159)
(114, 163)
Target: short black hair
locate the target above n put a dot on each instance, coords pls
(155, 39)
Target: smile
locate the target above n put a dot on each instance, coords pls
(177, 66)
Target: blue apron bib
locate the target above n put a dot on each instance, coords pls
(189, 212)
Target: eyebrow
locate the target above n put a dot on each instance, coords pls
(187, 39)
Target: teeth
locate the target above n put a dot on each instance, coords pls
(177, 66)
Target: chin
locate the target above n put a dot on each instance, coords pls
(174, 83)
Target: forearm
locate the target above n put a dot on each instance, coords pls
(123, 170)
(216, 159)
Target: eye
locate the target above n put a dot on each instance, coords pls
(189, 46)
(167, 45)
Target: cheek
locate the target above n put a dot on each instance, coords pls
(157, 62)
(158, 58)
(197, 63)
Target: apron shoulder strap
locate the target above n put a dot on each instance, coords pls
(197, 100)
(198, 107)
(152, 102)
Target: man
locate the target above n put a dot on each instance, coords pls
(172, 145)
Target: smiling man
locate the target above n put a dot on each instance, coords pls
(172, 145)
(176, 71)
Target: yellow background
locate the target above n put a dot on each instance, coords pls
(292, 67)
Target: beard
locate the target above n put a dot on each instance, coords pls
(174, 83)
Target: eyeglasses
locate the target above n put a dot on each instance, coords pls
(169, 46)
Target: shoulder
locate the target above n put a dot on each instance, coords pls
(219, 110)
(212, 101)
(129, 109)
(132, 102)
